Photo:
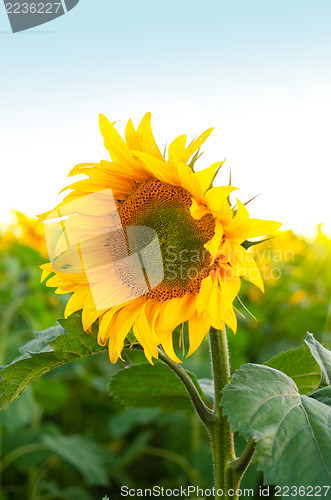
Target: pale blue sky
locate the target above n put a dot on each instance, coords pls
(259, 71)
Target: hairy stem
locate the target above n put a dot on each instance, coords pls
(220, 434)
(238, 467)
(228, 470)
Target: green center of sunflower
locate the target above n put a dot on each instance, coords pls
(165, 209)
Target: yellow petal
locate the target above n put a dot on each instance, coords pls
(147, 139)
(218, 322)
(99, 174)
(178, 153)
(152, 311)
(213, 301)
(47, 270)
(217, 200)
(189, 181)
(230, 287)
(96, 203)
(87, 186)
(214, 245)
(82, 168)
(66, 289)
(105, 324)
(56, 281)
(207, 175)
(117, 168)
(176, 148)
(59, 291)
(259, 227)
(146, 336)
(42, 217)
(158, 168)
(198, 210)
(204, 294)
(230, 319)
(198, 326)
(186, 153)
(175, 312)
(132, 138)
(214, 307)
(118, 149)
(76, 301)
(197, 143)
(225, 253)
(121, 325)
(238, 227)
(90, 314)
(168, 346)
(244, 265)
(72, 278)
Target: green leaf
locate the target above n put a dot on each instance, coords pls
(122, 423)
(50, 348)
(87, 456)
(147, 386)
(19, 414)
(41, 342)
(300, 366)
(203, 389)
(322, 356)
(323, 395)
(292, 431)
(207, 385)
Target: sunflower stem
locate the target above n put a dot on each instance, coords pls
(238, 467)
(221, 437)
(228, 470)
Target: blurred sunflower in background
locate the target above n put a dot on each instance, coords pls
(26, 230)
(201, 240)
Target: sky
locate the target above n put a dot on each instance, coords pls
(257, 71)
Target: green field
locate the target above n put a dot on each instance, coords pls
(67, 438)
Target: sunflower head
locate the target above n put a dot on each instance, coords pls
(146, 243)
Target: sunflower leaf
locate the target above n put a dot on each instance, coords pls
(93, 459)
(292, 431)
(322, 356)
(146, 386)
(300, 365)
(207, 385)
(204, 388)
(323, 395)
(49, 349)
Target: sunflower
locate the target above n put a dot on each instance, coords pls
(27, 231)
(190, 239)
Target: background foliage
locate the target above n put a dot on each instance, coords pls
(66, 438)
